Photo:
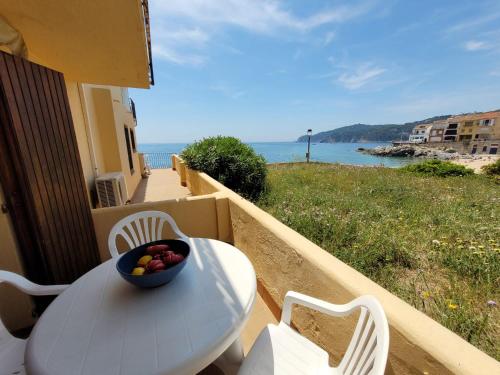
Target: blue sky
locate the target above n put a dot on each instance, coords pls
(268, 70)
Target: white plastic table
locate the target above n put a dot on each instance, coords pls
(102, 324)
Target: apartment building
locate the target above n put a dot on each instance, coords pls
(437, 131)
(481, 132)
(420, 133)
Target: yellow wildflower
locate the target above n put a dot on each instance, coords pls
(452, 306)
(426, 294)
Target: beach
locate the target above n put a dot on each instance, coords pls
(475, 162)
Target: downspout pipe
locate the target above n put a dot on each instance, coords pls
(88, 129)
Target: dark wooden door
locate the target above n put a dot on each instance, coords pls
(41, 173)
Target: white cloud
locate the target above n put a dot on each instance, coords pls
(475, 23)
(173, 56)
(199, 21)
(495, 73)
(227, 90)
(176, 45)
(476, 45)
(363, 75)
(182, 35)
(257, 16)
(332, 60)
(329, 37)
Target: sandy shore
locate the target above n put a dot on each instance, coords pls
(477, 161)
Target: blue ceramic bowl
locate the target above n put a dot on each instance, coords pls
(128, 262)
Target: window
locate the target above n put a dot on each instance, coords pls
(132, 139)
(488, 122)
(469, 123)
(129, 150)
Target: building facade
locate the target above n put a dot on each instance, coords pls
(480, 132)
(437, 131)
(451, 131)
(420, 133)
(105, 127)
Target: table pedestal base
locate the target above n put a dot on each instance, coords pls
(230, 361)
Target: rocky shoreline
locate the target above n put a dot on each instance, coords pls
(415, 151)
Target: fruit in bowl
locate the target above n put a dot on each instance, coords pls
(158, 258)
(154, 263)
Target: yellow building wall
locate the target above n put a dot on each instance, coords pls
(99, 116)
(80, 127)
(89, 108)
(475, 128)
(109, 117)
(15, 306)
(132, 178)
(106, 128)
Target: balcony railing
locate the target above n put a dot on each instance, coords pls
(158, 160)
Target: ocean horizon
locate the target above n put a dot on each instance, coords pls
(283, 152)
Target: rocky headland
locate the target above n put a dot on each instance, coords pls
(415, 151)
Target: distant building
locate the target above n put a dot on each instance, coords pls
(451, 130)
(420, 133)
(482, 126)
(437, 131)
(481, 131)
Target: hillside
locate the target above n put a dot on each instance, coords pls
(368, 133)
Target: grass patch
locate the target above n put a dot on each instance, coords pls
(432, 241)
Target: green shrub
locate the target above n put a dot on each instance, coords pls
(492, 169)
(229, 161)
(438, 168)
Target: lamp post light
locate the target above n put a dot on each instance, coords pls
(308, 154)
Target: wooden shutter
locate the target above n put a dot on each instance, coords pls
(41, 173)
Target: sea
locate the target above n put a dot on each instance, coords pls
(283, 152)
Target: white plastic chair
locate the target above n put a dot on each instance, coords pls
(12, 348)
(281, 350)
(140, 228)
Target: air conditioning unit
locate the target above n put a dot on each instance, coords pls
(111, 189)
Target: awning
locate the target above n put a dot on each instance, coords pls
(102, 42)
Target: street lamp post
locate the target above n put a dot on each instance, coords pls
(308, 154)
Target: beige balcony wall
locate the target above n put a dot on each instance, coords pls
(196, 217)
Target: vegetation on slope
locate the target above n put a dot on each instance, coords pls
(492, 170)
(368, 133)
(438, 168)
(432, 241)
